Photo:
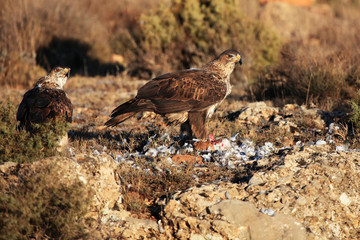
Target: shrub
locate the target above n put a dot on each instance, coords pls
(41, 207)
(189, 33)
(20, 146)
(355, 114)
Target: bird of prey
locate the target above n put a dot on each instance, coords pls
(47, 100)
(188, 97)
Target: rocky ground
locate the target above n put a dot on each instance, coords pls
(295, 176)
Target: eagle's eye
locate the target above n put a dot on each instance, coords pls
(229, 55)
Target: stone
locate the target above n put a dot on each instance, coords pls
(4, 167)
(257, 112)
(344, 199)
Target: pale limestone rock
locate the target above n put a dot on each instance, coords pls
(257, 112)
(344, 199)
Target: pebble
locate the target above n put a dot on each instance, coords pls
(344, 199)
(320, 142)
(268, 211)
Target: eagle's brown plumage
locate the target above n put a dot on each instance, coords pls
(47, 100)
(187, 97)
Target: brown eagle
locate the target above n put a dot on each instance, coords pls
(47, 100)
(188, 97)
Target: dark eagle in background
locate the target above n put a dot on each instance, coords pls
(47, 100)
(188, 97)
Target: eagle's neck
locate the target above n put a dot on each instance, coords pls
(48, 82)
(223, 70)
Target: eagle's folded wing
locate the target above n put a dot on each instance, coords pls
(190, 90)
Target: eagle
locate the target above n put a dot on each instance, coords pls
(188, 97)
(46, 101)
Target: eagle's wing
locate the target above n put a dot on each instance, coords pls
(38, 105)
(189, 90)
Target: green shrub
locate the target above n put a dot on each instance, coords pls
(20, 146)
(41, 207)
(189, 33)
(355, 114)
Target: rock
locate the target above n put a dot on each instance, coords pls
(224, 218)
(344, 199)
(256, 179)
(257, 112)
(6, 166)
(301, 201)
(99, 173)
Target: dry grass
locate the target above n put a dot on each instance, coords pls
(316, 71)
(64, 32)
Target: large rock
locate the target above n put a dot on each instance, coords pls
(257, 113)
(215, 212)
(286, 117)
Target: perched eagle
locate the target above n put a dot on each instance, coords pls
(47, 100)
(188, 97)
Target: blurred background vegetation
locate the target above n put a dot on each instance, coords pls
(307, 55)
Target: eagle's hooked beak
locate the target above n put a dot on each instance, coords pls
(67, 72)
(238, 59)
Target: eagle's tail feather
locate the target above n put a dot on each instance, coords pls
(118, 119)
(127, 110)
(125, 107)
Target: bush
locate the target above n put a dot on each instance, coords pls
(20, 146)
(189, 33)
(355, 113)
(41, 207)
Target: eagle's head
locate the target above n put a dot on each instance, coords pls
(230, 56)
(225, 63)
(56, 78)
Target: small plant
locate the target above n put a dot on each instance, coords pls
(40, 206)
(21, 146)
(141, 187)
(355, 113)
